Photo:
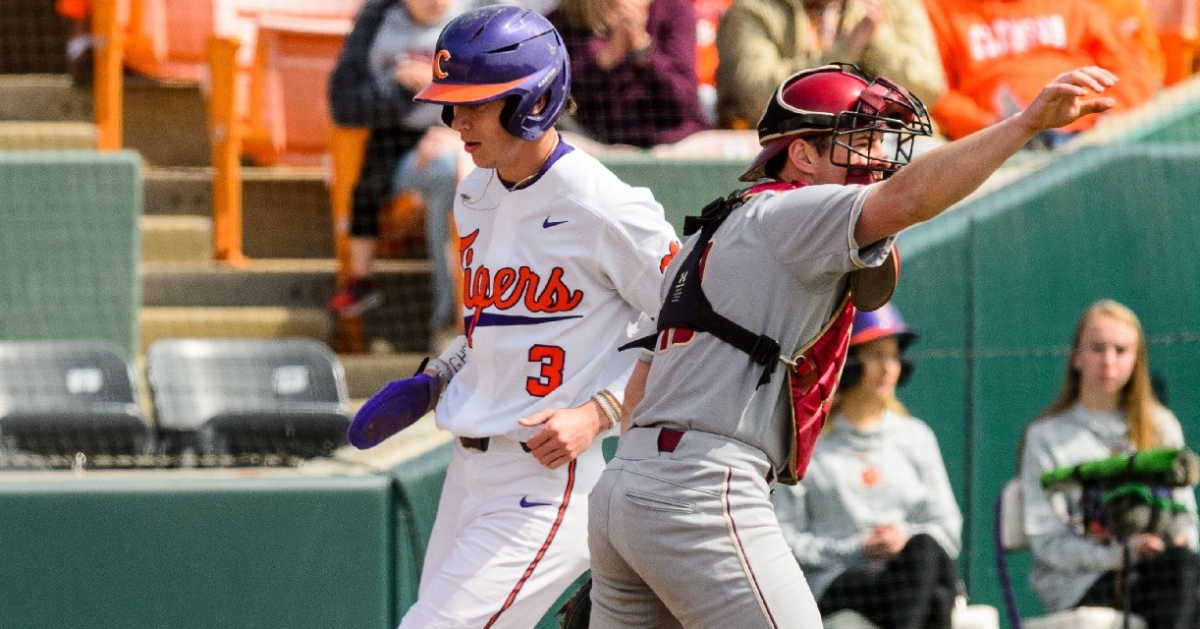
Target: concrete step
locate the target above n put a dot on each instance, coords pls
(160, 323)
(44, 97)
(24, 136)
(368, 373)
(399, 324)
(285, 211)
(166, 122)
(176, 239)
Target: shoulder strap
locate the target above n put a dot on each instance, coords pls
(688, 307)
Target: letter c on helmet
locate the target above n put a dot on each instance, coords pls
(442, 55)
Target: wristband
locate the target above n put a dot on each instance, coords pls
(609, 406)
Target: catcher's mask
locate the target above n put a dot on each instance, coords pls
(842, 101)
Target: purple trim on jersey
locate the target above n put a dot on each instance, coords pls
(562, 148)
(488, 319)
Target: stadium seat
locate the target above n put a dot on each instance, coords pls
(67, 397)
(248, 396)
(1010, 537)
(288, 120)
(167, 39)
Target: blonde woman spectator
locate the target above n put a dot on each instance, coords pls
(762, 42)
(1106, 407)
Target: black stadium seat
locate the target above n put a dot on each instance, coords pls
(67, 397)
(248, 396)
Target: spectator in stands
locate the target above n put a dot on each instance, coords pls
(708, 18)
(874, 523)
(633, 67)
(1135, 29)
(79, 47)
(999, 53)
(1106, 407)
(386, 60)
(762, 42)
(1177, 23)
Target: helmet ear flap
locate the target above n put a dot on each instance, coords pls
(506, 115)
(448, 114)
(906, 369)
(851, 372)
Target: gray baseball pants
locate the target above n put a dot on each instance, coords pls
(688, 538)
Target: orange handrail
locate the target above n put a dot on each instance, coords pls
(109, 34)
(224, 134)
(347, 146)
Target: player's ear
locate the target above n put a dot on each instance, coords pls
(538, 106)
(803, 156)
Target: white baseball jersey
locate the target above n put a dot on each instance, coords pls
(556, 276)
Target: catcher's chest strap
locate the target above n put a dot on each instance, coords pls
(688, 307)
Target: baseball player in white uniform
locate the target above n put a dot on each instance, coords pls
(753, 333)
(561, 261)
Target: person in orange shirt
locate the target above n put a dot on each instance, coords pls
(1136, 30)
(998, 53)
(708, 16)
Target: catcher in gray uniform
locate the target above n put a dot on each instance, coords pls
(753, 333)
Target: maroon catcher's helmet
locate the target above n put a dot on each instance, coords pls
(841, 100)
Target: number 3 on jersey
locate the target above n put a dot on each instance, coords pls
(551, 358)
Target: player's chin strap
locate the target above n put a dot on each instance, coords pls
(688, 308)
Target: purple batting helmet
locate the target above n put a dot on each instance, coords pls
(877, 324)
(872, 326)
(505, 52)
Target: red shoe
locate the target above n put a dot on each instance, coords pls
(359, 296)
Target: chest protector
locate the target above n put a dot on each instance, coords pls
(812, 371)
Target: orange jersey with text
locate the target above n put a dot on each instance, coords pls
(998, 54)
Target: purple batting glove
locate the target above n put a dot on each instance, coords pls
(395, 407)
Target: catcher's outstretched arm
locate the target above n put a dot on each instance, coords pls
(944, 176)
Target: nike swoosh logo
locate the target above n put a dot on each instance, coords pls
(525, 504)
(547, 224)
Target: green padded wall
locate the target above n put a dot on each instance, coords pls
(418, 488)
(1173, 117)
(70, 245)
(998, 284)
(418, 484)
(147, 551)
(683, 186)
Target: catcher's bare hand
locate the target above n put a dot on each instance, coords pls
(1069, 97)
(565, 433)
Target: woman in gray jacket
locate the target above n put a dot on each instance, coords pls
(1106, 407)
(874, 523)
